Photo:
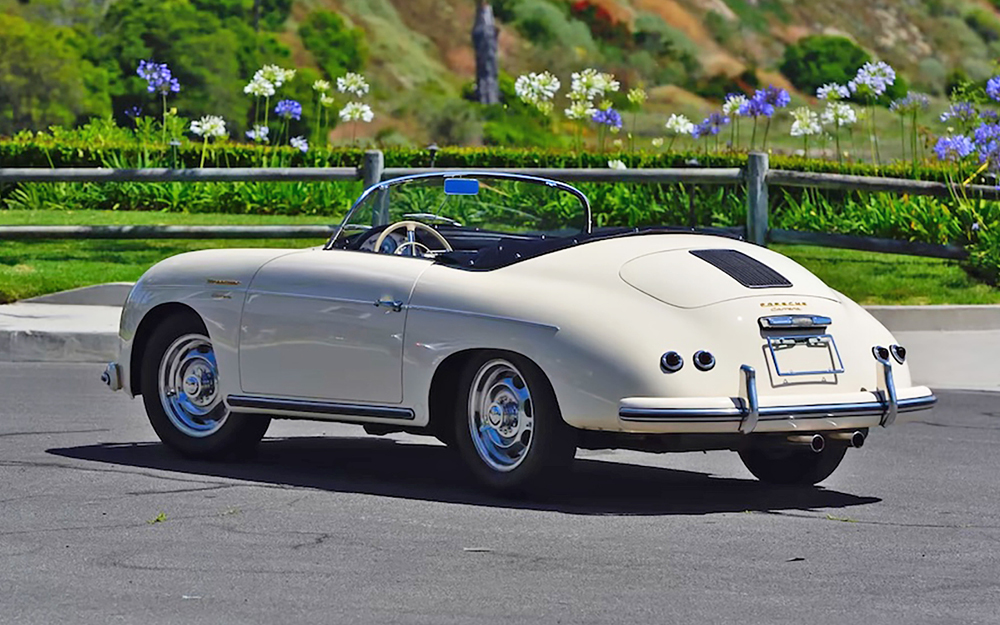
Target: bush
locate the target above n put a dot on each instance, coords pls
(337, 48)
(817, 60)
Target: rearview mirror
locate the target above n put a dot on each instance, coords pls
(461, 186)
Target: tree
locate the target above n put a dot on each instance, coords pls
(814, 61)
(484, 39)
(43, 79)
(337, 48)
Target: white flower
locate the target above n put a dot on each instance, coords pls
(839, 114)
(833, 91)
(591, 84)
(209, 126)
(617, 143)
(873, 79)
(352, 83)
(733, 103)
(637, 96)
(616, 164)
(356, 111)
(806, 123)
(580, 109)
(275, 75)
(679, 124)
(259, 87)
(259, 133)
(321, 85)
(658, 142)
(537, 89)
(326, 100)
(299, 143)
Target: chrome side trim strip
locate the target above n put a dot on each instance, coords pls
(318, 407)
(752, 412)
(772, 413)
(451, 311)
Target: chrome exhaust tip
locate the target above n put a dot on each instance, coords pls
(816, 442)
(853, 439)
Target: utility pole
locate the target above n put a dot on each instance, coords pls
(484, 40)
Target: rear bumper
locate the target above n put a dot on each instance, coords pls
(796, 413)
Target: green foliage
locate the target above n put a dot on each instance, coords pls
(273, 13)
(43, 78)
(337, 48)
(546, 24)
(817, 60)
(984, 22)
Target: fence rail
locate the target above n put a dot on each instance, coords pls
(757, 176)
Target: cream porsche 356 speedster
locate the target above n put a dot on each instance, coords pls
(486, 310)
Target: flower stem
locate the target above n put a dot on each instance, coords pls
(163, 130)
(204, 151)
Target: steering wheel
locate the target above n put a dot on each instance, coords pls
(411, 242)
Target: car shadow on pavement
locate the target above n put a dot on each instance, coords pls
(429, 472)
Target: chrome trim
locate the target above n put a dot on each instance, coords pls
(223, 282)
(112, 376)
(319, 407)
(794, 321)
(751, 405)
(464, 313)
(699, 365)
(887, 385)
(322, 298)
(395, 304)
(772, 413)
(588, 227)
(771, 340)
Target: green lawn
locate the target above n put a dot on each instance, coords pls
(29, 268)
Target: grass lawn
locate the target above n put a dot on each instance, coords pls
(29, 268)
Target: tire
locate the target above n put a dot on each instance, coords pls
(192, 420)
(792, 465)
(508, 428)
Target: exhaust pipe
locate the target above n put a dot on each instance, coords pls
(854, 439)
(816, 442)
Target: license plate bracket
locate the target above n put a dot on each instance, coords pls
(822, 359)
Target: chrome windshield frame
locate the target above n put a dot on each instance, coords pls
(443, 175)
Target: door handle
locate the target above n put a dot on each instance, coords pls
(394, 304)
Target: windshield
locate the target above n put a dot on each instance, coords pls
(508, 204)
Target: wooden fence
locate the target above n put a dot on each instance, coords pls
(756, 176)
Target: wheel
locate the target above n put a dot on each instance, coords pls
(508, 428)
(792, 464)
(181, 394)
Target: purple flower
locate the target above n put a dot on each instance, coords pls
(954, 148)
(288, 109)
(962, 112)
(715, 122)
(987, 142)
(912, 103)
(990, 117)
(764, 102)
(993, 88)
(158, 77)
(609, 117)
(776, 96)
(701, 130)
(133, 111)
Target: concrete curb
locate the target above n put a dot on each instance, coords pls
(937, 318)
(110, 294)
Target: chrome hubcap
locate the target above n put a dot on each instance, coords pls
(188, 386)
(501, 417)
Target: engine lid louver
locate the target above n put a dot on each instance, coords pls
(748, 271)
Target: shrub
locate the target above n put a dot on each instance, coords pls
(817, 60)
(337, 48)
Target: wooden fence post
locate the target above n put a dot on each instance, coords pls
(372, 168)
(757, 166)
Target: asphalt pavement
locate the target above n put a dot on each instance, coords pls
(100, 524)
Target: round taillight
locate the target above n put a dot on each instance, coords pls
(704, 360)
(671, 362)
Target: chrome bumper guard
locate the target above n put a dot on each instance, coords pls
(112, 376)
(747, 410)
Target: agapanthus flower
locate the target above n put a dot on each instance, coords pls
(873, 79)
(954, 147)
(679, 124)
(637, 96)
(715, 122)
(326, 100)
(275, 75)
(357, 111)
(289, 109)
(299, 143)
(607, 117)
(913, 103)
(258, 133)
(352, 83)
(990, 117)
(776, 96)
(805, 123)
(617, 164)
(832, 91)
(733, 103)
(993, 88)
(961, 112)
(658, 142)
(537, 89)
(839, 114)
(158, 77)
(580, 109)
(987, 141)
(321, 86)
(703, 129)
(133, 111)
(591, 84)
(209, 126)
(259, 87)
(756, 106)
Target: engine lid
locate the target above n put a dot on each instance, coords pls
(692, 278)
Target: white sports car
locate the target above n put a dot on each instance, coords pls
(486, 310)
